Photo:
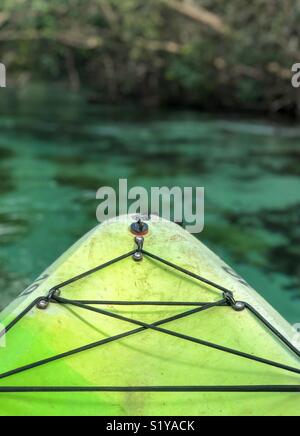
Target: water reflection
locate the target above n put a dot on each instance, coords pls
(56, 150)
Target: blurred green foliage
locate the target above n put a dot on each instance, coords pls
(213, 55)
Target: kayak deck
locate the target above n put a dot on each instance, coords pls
(160, 351)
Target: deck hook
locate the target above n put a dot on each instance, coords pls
(138, 255)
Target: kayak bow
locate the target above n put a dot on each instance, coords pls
(150, 324)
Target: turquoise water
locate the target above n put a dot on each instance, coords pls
(56, 150)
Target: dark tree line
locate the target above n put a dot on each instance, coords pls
(210, 54)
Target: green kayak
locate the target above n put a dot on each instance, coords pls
(143, 319)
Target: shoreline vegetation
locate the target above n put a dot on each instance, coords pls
(202, 54)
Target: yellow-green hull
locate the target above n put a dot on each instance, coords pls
(149, 358)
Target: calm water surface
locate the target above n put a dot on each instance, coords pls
(56, 150)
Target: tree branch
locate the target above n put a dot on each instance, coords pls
(109, 14)
(165, 46)
(4, 17)
(198, 14)
(75, 40)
